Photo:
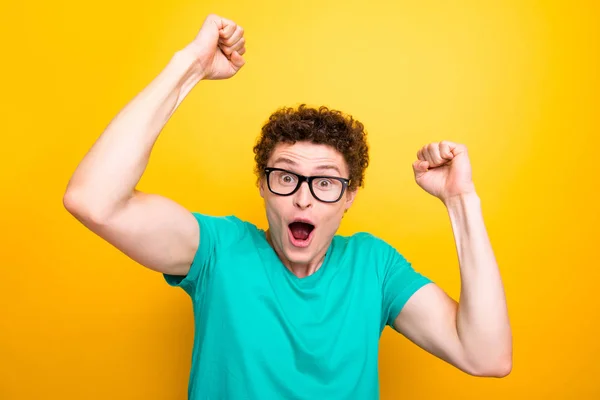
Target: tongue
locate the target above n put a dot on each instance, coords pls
(300, 230)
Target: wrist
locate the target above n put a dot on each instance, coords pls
(462, 201)
(189, 60)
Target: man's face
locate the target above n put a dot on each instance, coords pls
(306, 241)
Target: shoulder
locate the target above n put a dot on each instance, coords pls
(364, 242)
(371, 251)
(218, 222)
(223, 230)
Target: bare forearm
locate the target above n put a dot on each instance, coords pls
(482, 319)
(109, 172)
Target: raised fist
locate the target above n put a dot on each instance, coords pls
(443, 169)
(218, 48)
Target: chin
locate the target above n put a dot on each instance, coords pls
(295, 256)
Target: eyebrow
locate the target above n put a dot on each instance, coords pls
(324, 167)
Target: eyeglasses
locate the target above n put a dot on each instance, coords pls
(328, 189)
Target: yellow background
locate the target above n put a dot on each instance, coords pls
(516, 81)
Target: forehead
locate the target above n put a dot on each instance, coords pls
(308, 157)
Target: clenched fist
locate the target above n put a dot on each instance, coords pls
(218, 48)
(443, 169)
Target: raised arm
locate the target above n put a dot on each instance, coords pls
(474, 334)
(152, 230)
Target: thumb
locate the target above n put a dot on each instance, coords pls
(237, 60)
(420, 168)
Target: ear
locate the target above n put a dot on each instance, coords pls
(261, 187)
(350, 196)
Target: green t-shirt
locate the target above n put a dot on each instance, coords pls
(263, 333)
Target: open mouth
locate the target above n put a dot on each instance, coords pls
(301, 233)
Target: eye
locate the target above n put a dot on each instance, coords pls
(323, 183)
(287, 179)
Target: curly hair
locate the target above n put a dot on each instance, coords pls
(319, 126)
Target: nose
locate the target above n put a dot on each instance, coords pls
(303, 198)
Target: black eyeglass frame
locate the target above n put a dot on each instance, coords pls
(308, 179)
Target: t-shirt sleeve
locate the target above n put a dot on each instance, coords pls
(399, 282)
(217, 233)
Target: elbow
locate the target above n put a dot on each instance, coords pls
(498, 369)
(493, 359)
(75, 203)
(506, 370)
(83, 208)
(70, 202)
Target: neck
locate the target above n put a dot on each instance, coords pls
(301, 270)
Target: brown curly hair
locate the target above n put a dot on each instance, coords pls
(319, 126)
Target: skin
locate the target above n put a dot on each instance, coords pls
(473, 334)
(305, 159)
(115, 209)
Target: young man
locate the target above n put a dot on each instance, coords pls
(295, 311)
